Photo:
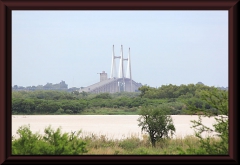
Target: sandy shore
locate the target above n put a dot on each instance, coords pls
(113, 126)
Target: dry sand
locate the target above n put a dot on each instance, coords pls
(113, 126)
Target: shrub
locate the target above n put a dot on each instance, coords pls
(59, 111)
(218, 99)
(52, 143)
(129, 144)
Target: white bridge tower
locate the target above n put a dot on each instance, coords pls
(121, 73)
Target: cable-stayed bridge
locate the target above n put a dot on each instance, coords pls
(117, 82)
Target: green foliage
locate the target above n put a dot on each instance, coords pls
(52, 143)
(27, 144)
(219, 100)
(172, 91)
(59, 111)
(156, 122)
(177, 98)
(142, 151)
(125, 94)
(104, 96)
(129, 143)
(144, 89)
(135, 146)
(84, 94)
(111, 111)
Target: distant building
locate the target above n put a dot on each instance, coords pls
(116, 83)
(103, 76)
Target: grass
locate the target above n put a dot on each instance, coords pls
(101, 145)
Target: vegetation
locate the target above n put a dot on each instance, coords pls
(52, 143)
(153, 104)
(218, 99)
(156, 122)
(62, 86)
(176, 98)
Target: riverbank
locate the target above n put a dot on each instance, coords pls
(111, 126)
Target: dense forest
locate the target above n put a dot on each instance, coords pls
(175, 98)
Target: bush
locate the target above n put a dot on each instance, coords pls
(129, 144)
(59, 111)
(52, 143)
(69, 111)
(218, 99)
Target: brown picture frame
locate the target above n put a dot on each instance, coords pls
(6, 6)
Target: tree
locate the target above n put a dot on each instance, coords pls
(84, 94)
(218, 99)
(144, 89)
(104, 96)
(155, 121)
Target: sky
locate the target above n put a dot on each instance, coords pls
(167, 46)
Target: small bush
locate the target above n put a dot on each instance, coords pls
(52, 143)
(142, 151)
(129, 144)
(59, 111)
(69, 111)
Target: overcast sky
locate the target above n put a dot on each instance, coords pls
(167, 47)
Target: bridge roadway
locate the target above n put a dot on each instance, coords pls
(111, 85)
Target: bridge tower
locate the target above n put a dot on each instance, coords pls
(121, 71)
(129, 72)
(113, 66)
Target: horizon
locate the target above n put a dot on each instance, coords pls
(142, 84)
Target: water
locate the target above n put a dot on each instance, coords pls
(112, 126)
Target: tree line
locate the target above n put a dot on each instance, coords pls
(175, 98)
(62, 86)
